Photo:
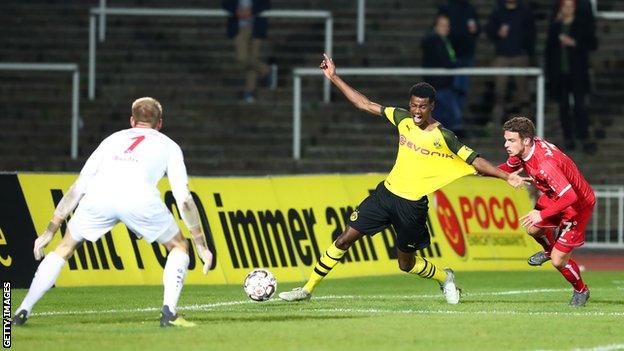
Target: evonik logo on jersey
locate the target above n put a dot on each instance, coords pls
(404, 142)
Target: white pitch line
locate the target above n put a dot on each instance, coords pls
(215, 305)
(146, 309)
(499, 293)
(451, 312)
(603, 348)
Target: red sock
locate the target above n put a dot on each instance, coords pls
(572, 273)
(547, 240)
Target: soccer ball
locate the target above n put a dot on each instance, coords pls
(260, 285)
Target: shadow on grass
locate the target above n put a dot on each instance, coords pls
(194, 317)
(490, 302)
(268, 318)
(606, 302)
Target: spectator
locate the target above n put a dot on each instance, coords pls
(439, 53)
(584, 10)
(465, 30)
(512, 29)
(248, 31)
(570, 38)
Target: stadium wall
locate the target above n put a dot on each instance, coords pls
(282, 223)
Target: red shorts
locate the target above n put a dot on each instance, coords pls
(571, 222)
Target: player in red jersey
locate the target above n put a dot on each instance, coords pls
(567, 200)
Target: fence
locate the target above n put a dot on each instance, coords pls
(607, 226)
(104, 11)
(609, 15)
(386, 71)
(63, 67)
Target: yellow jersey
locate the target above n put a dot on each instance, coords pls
(427, 159)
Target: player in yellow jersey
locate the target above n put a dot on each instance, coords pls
(429, 157)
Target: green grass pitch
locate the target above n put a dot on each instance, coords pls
(498, 311)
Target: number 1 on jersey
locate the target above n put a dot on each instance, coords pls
(137, 141)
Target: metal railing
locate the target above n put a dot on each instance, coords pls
(104, 11)
(361, 21)
(400, 71)
(609, 15)
(56, 67)
(607, 231)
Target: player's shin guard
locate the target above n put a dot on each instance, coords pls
(325, 264)
(546, 240)
(572, 273)
(428, 270)
(173, 277)
(45, 277)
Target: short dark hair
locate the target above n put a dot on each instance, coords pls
(423, 90)
(521, 125)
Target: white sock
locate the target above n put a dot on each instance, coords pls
(45, 276)
(173, 277)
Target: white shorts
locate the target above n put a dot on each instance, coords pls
(148, 217)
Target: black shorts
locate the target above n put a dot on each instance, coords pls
(382, 209)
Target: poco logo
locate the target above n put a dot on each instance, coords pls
(450, 224)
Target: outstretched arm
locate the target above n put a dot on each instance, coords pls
(357, 99)
(484, 167)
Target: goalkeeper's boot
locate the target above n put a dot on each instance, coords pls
(296, 294)
(538, 259)
(20, 317)
(168, 319)
(451, 292)
(579, 299)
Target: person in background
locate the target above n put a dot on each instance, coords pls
(584, 10)
(465, 30)
(512, 29)
(438, 52)
(570, 39)
(248, 30)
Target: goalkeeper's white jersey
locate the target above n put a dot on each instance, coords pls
(131, 162)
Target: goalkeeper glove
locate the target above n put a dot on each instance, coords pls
(206, 257)
(41, 242)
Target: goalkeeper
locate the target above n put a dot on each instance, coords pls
(118, 183)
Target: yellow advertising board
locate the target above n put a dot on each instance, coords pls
(284, 223)
(476, 220)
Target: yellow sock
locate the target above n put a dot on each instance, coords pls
(323, 266)
(428, 270)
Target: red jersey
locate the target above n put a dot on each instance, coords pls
(554, 173)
